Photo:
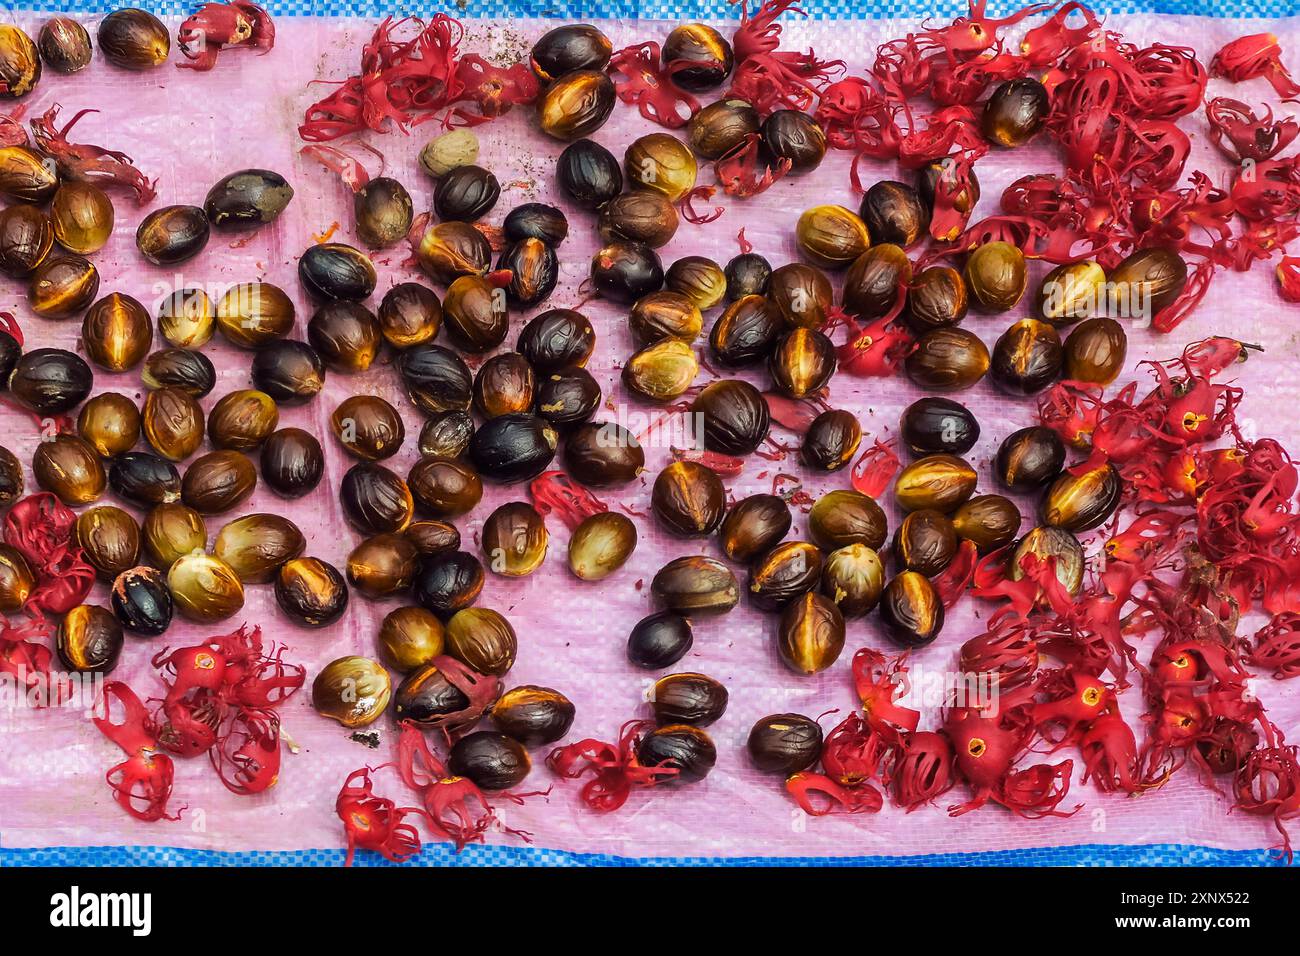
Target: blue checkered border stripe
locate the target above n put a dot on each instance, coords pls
(673, 9)
(1161, 854)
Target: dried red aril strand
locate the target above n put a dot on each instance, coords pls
(737, 169)
(642, 81)
(1043, 45)
(875, 469)
(216, 26)
(984, 748)
(246, 754)
(555, 492)
(923, 769)
(27, 661)
(614, 768)
(1241, 134)
(1007, 652)
(795, 414)
(1277, 646)
(13, 132)
(348, 168)
(818, 795)
(41, 528)
(1248, 57)
(878, 681)
(495, 90)
(88, 163)
(1288, 278)
(1075, 700)
(699, 194)
(1109, 751)
(767, 77)
(375, 823)
(1036, 791)
(141, 784)
(726, 466)
(1268, 784)
(854, 752)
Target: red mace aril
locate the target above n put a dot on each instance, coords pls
(216, 26)
(555, 492)
(12, 130)
(613, 768)
(1240, 134)
(41, 527)
(951, 583)
(1037, 791)
(1043, 45)
(795, 414)
(1288, 278)
(1007, 652)
(876, 350)
(922, 770)
(641, 80)
(857, 116)
(27, 661)
(246, 755)
(1268, 784)
(375, 823)
(1277, 646)
(142, 783)
(873, 472)
(1075, 700)
(818, 795)
(737, 169)
(699, 194)
(348, 168)
(88, 163)
(726, 466)
(984, 750)
(878, 681)
(1110, 756)
(855, 753)
(1248, 57)
(767, 77)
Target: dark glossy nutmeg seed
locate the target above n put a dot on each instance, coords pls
(242, 419)
(696, 585)
(143, 479)
(625, 271)
(575, 46)
(26, 238)
(810, 635)
(465, 194)
(688, 499)
(514, 447)
(64, 45)
(68, 466)
(1029, 458)
(802, 294)
(782, 574)
(911, 610)
(447, 583)
(931, 426)
(383, 211)
(747, 274)
(1084, 501)
(428, 697)
(11, 478)
(110, 540)
(247, 199)
(375, 500)
(172, 422)
(1026, 358)
(925, 541)
(289, 371)
(436, 379)
(988, 521)
(382, 565)
(843, 517)
(664, 314)
(336, 271)
(938, 482)
(588, 174)
(256, 546)
(110, 422)
(474, 314)
(831, 236)
(601, 544)
(734, 416)
(141, 601)
(1146, 282)
(567, 397)
(218, 481)
(292, 462)
(1015, 112)
(133, 39)
(172, 234)
(61, 286)
(895, 213)
(687, 749)
(697, 57)
(1095, 351)
(831, 441)
(534, 270)
(490, 760)
(17, 581)
(660, 640)
(346, 335)
(450, 250)
(533, 715)
(688, 698)
(936, 298)
(514, 540)
(875, 280)
(536, 220)
(802, 362)
(504, 384)
(721, 126)
(796, 136)
(995, 275)
(699, 279)
(368, 427)
(753, 526)
(853, 577)
(1046, 543)
(947, 360)
(602, 454)
(410, 314)
(172, 530)
(89, 640)
(190, 371)
(784, 743)
(432, 536)
(204, 588)
(482, 639)
(446, 435)
(410, 637)
(556, 339)
(576, 104)
(311, 592)
(746, 332)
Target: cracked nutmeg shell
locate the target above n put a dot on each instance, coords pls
(810, 635)
(352, 690)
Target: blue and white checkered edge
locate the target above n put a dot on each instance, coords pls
(442, 855)
(674, 9)
(1160, 854)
